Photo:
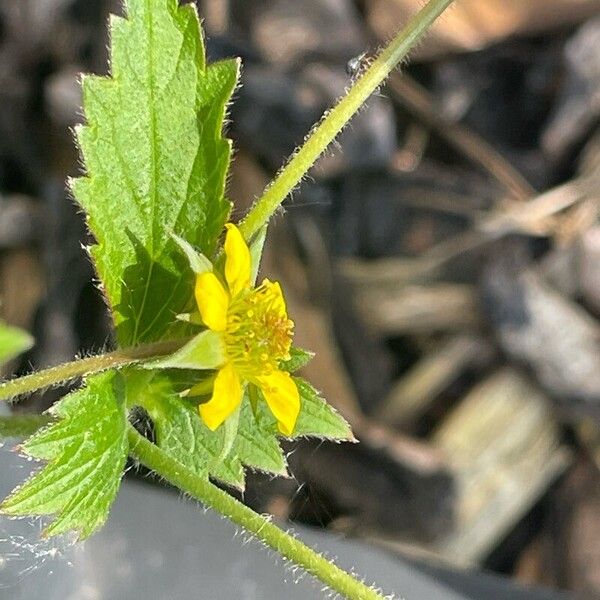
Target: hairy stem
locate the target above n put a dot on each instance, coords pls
(94, 364)
(284, 543)
(335, 120)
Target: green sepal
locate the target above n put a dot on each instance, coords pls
(256, 251)
(298, 358)
(254, 397)
(198, 262)
(230, 432)
(204, 352)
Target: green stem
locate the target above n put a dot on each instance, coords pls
(211, 496)
(94, 364)
(335, 120)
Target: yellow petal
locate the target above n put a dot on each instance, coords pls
(227, 395)
(277, 299)
(283, 398)
(238, 264)
(213, 301)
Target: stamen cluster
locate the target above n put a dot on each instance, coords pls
(259, 332)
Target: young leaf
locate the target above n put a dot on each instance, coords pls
(180, 431)
(86, 450)
(156, 164)
(13, 341)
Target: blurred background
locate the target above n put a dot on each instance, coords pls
(443, 260)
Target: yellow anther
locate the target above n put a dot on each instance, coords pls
(259, 333)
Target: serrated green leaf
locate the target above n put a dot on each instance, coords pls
(13, 341)
(156, 164)
(317, 418)
(180, 431)
(257, 444)
(86, 449)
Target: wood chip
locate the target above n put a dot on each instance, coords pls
(414, 393)
(503, 444)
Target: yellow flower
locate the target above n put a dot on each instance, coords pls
(256, 334)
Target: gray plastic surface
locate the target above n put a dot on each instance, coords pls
(158, 545)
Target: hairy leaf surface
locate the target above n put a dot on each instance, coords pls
(156, 164)
(86, 449)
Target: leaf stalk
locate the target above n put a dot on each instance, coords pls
(94, 364)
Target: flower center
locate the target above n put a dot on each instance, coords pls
(259, 332)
